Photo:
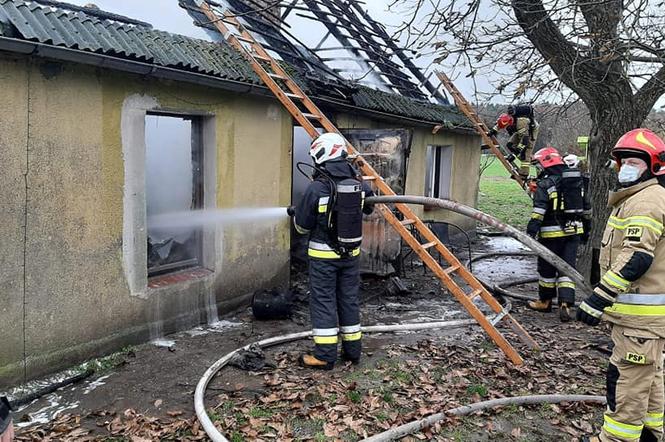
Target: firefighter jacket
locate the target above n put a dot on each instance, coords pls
(312, 214)
(632, 258)
(546, 221)
(524, 132)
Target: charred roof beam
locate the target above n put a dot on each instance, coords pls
(409, 88)
(436, 93)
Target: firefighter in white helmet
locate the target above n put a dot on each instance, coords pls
(331, 212)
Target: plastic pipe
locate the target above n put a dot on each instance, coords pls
(412, 427)
(489, 220)
(199, 405)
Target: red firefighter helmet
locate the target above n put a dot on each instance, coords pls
(547, 157)
(644, 144)
(504, 121)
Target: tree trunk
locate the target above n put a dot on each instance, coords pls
(605, 132)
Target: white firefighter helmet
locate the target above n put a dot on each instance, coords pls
(571, 160)
(328, 146)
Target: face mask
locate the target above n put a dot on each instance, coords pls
(629, 174)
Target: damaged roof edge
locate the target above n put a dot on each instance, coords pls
(140, 68)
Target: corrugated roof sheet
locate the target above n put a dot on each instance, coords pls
(73, 28)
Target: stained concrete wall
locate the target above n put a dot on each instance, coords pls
(63, 161)
(465, 175)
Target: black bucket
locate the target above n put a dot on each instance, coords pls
(271, 304)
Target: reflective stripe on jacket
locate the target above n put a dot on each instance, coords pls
(632, 258)
(544, 219)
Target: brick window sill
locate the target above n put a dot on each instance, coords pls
(169, 279)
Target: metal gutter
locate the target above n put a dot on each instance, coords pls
(140, 68)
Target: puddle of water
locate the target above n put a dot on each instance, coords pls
(504, 268)
(504, 244)
(96, 383)
(49, 412)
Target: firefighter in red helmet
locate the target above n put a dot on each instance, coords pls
(556, 221)
(520, 123)
(631, 293)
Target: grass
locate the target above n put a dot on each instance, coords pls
(502, 197)
(259, 412)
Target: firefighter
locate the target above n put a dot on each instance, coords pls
(331, 212)
(631, 293)
(521, 125)
(573, 163)
(6, 427)
(556, 223)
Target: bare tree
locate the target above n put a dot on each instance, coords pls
(610, 54)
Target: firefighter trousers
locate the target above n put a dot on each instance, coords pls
(334, 287)
(550, 282)
(635, 398)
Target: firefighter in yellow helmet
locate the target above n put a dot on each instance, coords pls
(631, 293)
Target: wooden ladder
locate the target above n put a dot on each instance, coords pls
(480, 127)
(293, 98)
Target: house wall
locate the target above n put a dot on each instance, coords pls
(465, 165)
(70, 152)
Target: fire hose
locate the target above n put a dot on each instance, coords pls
(558, 263)
(199, 403)
(561, 265)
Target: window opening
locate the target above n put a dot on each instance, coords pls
(438, 171)
(174, 187)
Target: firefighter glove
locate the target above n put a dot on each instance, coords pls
(492, 132)
(291, 210)
(592, 308)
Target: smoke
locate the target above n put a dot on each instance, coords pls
(201, 218)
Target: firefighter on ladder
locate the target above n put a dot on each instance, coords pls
(556, 220)
(631, 293)
(520, 123)
(331, 212)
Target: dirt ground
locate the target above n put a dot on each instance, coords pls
(146, 392)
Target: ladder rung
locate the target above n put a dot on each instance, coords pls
(279, 77)
(299, 97)
(245, 39)
(232, 21)
(428, 245)
(312, 116)
(406, 222)
(474, 293)
(261, 57)
(451, 269)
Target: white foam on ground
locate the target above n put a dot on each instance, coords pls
(223, 324)
(49, 412)
(96, 383)
(163, 343)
